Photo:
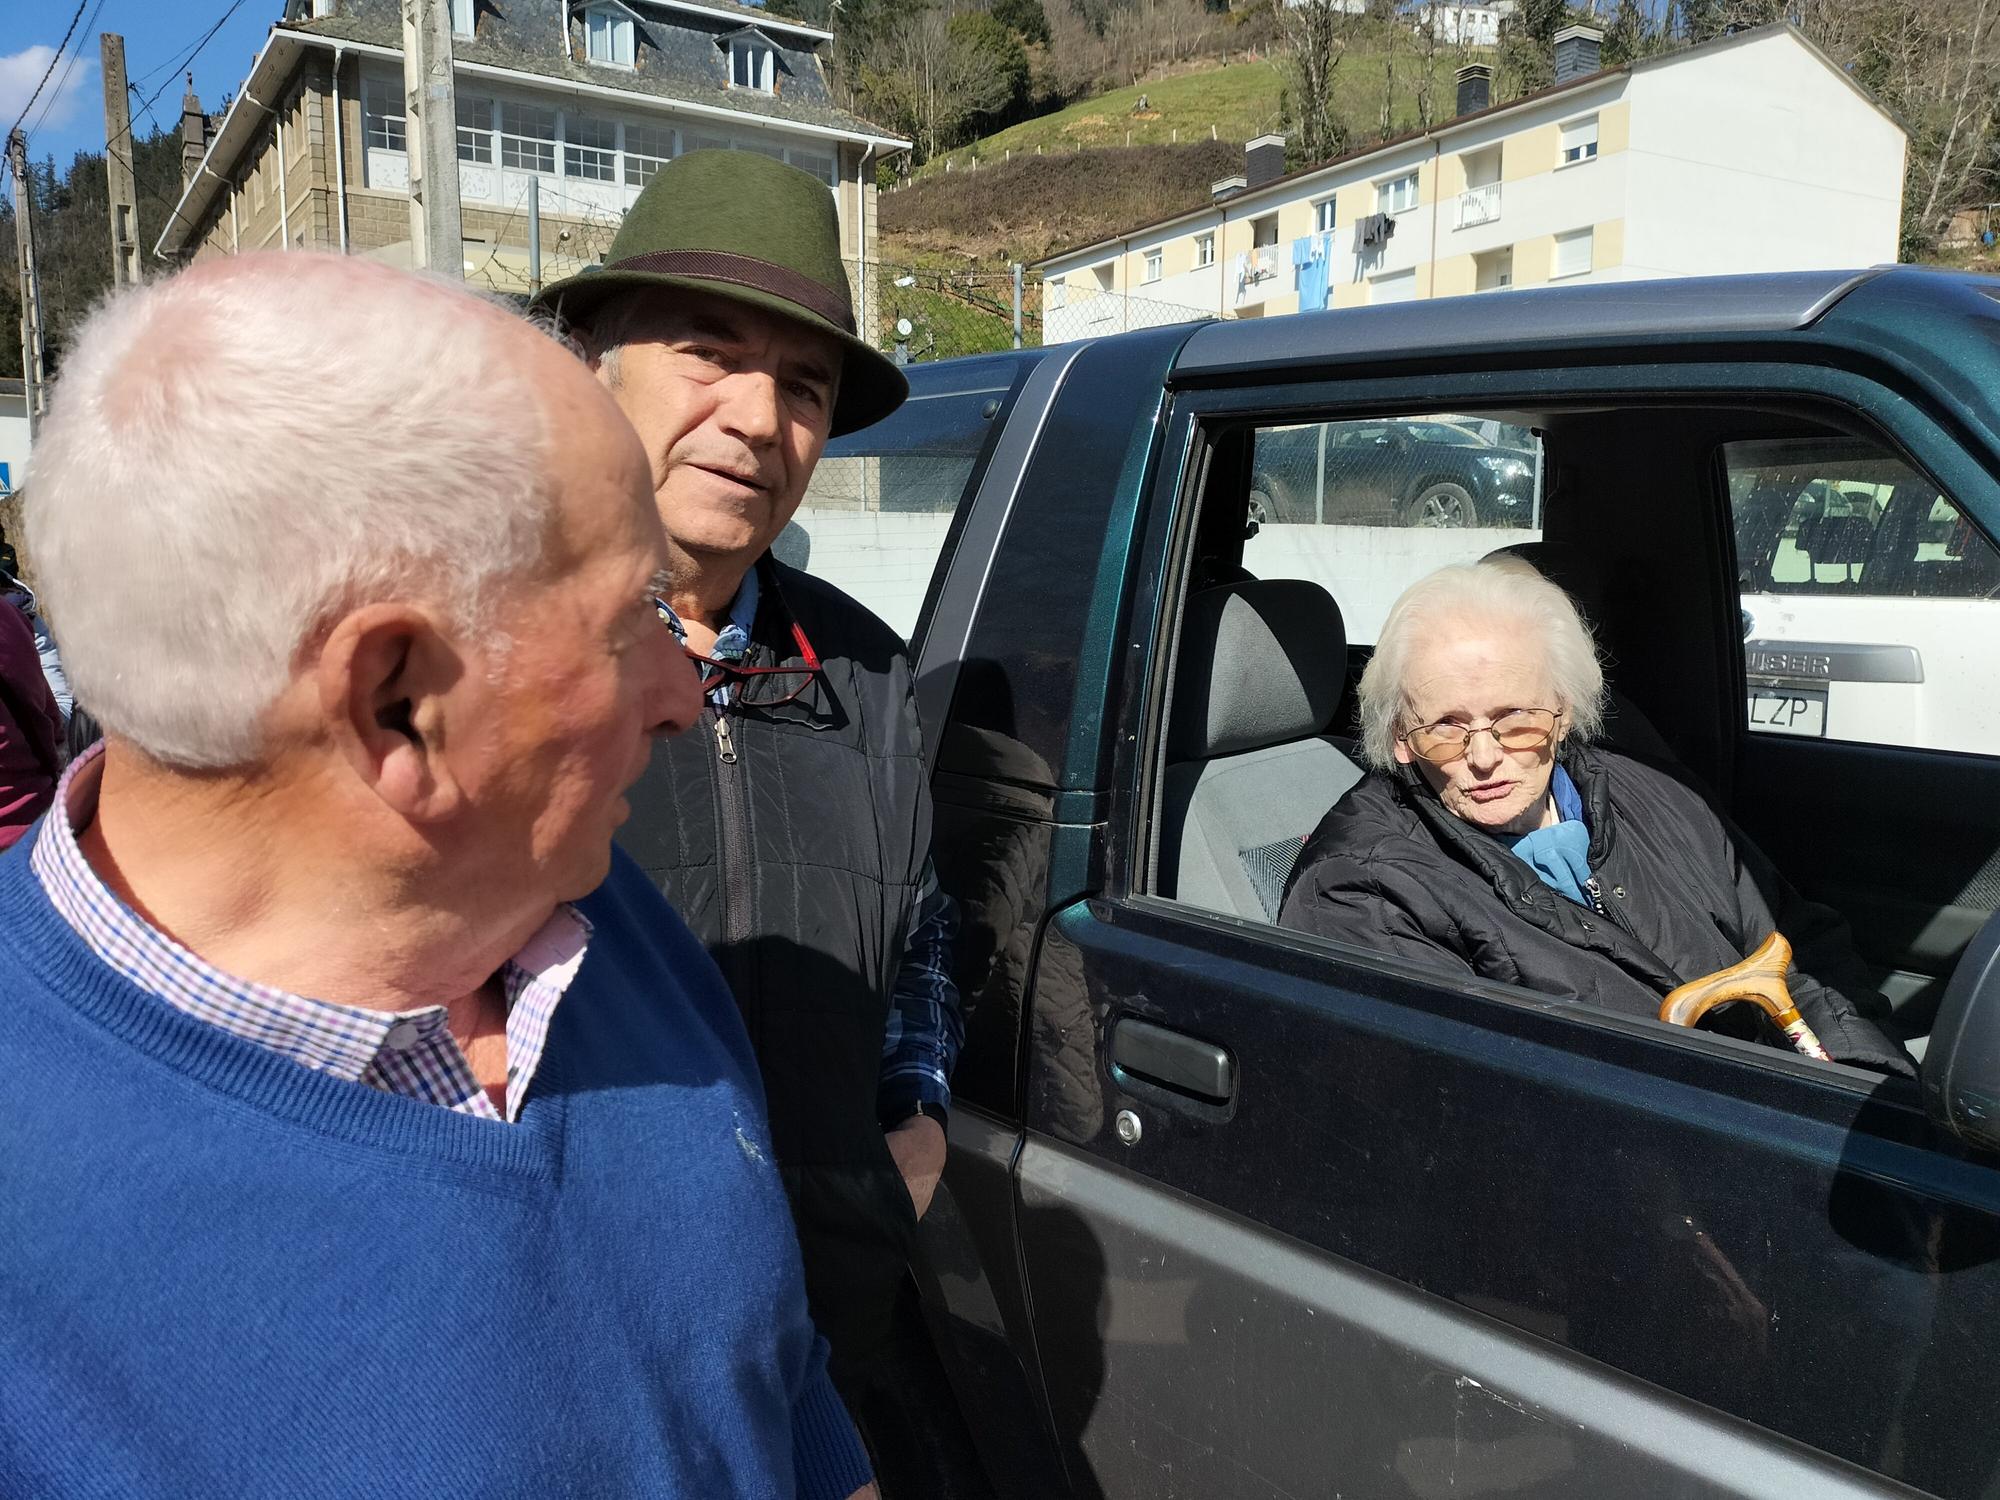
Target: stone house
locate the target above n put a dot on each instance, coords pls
(572, 105)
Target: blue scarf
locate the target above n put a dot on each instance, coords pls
(1560, 853)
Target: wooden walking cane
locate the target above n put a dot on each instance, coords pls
(1760, 981)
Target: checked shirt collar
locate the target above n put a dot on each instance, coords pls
(409, 1052)
(732, 642)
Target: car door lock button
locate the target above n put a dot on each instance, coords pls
(1129, 1127)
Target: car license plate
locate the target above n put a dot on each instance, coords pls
(1780, 710)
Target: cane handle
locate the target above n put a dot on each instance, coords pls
(1760, 981)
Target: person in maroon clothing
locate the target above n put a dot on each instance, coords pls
(31, 729)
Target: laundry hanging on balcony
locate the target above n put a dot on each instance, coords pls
(1312, 259)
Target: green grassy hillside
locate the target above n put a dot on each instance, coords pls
(1236, 102)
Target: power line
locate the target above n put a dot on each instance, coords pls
(182, 60)
(51, 67)
(63, 82)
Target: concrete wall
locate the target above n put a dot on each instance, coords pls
(883, 559)
(1760, 159)
(1365, 568)
(14, 440)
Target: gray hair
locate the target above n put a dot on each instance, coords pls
(236, 454)
(1505, 588)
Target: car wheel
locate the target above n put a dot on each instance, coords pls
(1442, 503)
(1261, 508)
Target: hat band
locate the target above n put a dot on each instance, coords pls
(747, 271)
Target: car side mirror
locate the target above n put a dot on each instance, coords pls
(1961, 1072)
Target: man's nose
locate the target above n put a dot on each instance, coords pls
(677, 691)
(751, 407)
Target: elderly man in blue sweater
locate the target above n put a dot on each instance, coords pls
(369, 1128)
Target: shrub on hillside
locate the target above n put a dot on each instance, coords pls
(1034, 206)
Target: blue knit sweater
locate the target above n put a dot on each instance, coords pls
(223, 1274)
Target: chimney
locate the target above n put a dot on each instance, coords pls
(1475, 88)
(194, 134)
(1577, 52)
(1263, 160)
(1228, 187)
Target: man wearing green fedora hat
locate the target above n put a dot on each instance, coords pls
(792, 831)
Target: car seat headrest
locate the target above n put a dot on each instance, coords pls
(1564, 566)
(1262, 662)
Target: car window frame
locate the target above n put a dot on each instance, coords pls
(1138, 711)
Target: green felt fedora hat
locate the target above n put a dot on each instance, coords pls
(740, 225)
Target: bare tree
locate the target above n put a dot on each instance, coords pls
(1316, 34)
(921, 77)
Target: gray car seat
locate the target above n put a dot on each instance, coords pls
(1250, 770)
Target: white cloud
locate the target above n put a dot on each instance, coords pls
(21, 72)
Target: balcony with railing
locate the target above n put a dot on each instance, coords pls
(1260, 268)
(1479, 205)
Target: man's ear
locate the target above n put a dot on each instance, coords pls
(384, 675)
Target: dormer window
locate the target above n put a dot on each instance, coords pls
(753, 64)
(462, 17)
(608, 37)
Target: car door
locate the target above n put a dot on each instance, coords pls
(1302, 1219)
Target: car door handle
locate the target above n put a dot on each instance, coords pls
(1174, 1060)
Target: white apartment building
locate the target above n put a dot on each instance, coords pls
(1750, 153)
(1463, 23)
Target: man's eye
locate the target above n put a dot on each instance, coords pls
(806, 391)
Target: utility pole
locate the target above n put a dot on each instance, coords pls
(437, 231)
(33, 373)
(123, 189)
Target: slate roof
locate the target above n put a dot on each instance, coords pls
(678, 53)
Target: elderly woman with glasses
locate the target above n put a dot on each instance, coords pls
(1491, 837)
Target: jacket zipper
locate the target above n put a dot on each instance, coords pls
(733, 817)
(1596, 893)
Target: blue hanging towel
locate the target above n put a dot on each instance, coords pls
(1309, 254)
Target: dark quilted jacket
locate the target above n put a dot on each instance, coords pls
(1390, 868)
(797, 866)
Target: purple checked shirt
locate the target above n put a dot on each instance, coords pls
(409, 1052)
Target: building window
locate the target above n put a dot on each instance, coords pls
(475, 129)
(1494, 270)
(527, 137)
(382, 115)
(1323, 216)
(1204, 249)
(1579, 141)
(608, 37)
(751, 65)
(1396, 286)
(590, 149)
(1397, 194)
(824, 167)
(463, 17)
(1154, 262)
(1573, 253)
(647, 149)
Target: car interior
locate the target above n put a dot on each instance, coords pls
(1638, 523)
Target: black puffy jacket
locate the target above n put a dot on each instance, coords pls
(1391, 868)
(792, 840)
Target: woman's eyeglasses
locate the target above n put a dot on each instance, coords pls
(1518, 729)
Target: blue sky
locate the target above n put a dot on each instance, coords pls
(158, 33)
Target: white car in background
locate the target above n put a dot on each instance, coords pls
(1871, 606)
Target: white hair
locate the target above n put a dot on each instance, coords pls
(1497, 589)
(238, 453)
